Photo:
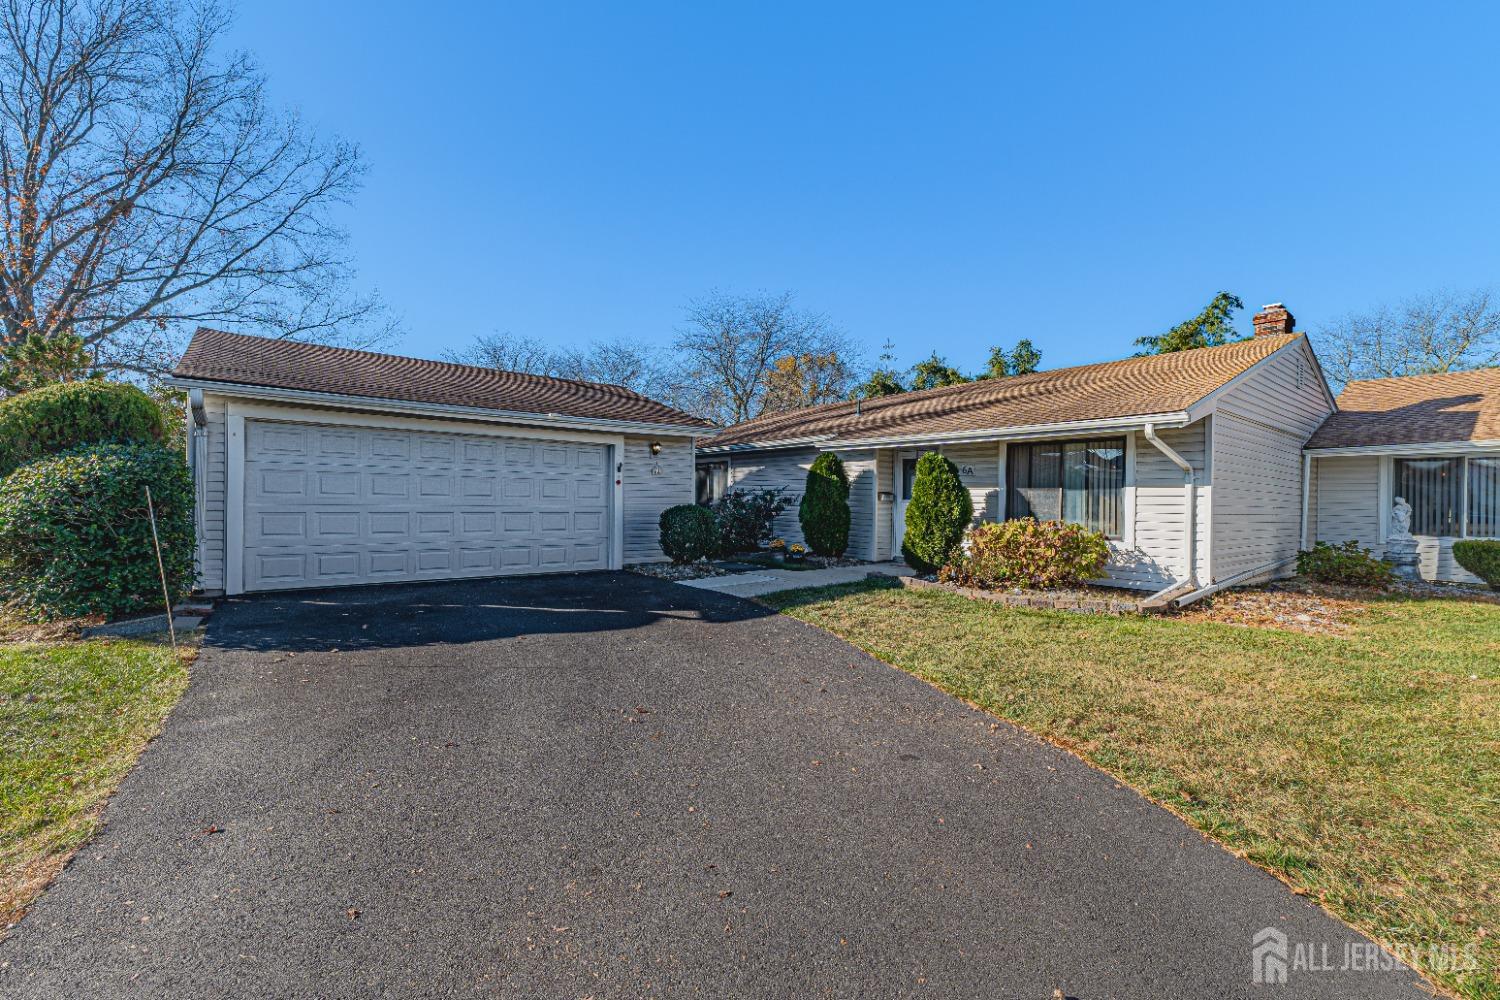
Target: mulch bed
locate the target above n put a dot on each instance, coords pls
(667, 571)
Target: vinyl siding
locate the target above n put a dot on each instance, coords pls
(1156, 558)
(786, 470)
(1259, 428)
(860, 467)
(648, 494)
(979, 469)
(885, 482)
(214, 483)
(1349, 500)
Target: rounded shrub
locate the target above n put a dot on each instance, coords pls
(1344, 564)
(937, 514)
(1480, 557)
(75, 537)
(65, 415)
(1029, 553)
(824, 511)
(689, 533)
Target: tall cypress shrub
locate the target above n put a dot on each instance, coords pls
(824, 511)
(937, 514)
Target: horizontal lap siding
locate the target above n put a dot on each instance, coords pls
(1260, 427)
(1156, 559)
(785, 470)
(1349, 500)
(215, 485)
(885, 482)
(979, 468)
(860, 467)
(648, 494)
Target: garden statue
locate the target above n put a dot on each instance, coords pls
(1401, 519)
(1400, 546)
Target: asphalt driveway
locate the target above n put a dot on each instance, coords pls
(607, 786)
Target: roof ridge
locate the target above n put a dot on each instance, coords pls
(385, 355)
(1484, 369)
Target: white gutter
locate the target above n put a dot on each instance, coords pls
(1014, 433)
(1190, 517)
(443, 410)
(1214, 588)
(709, 449)
(1434, 448)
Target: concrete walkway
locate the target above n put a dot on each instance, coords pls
(769, 581)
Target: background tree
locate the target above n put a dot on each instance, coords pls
(1440, 332)
(730, 345)
(508, 352)
(634, 365)
(799, 380)
(884, 379)
(1023, 360)
(1210, 328)
(935, 371)
(146, 185)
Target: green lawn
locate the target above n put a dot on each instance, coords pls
(1362, 769)
(74, 717)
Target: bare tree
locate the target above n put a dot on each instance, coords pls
(508, 352)
(148, 186)
(634, 365)
(730, 346)
(1441, 332)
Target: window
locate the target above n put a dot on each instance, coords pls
(908, 476)
(1434, 488)
(1451, 497)
(1078, 481)
(713, 480)
(1484, 497)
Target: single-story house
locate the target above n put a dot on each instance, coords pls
(1190, 463)
(1432, 439)
(320, 466)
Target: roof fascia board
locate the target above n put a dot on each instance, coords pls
(1421, 448)
(445, 410)
(1056, 429)
(707, 447)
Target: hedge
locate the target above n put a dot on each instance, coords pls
(937, 514)
(824, 511)
(1480, 557)
(66, 415)
(75, 538)
(689, 533)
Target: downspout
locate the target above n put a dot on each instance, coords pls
(1188, 583)
(1306, 497)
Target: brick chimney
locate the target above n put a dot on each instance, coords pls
(1273, 320)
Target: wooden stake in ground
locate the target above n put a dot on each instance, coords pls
(161, 568)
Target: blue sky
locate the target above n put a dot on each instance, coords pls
(943, 176)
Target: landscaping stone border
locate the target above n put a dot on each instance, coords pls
(1034, 599)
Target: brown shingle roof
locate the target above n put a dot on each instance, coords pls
(1163, 383)
(1417, 409)
(216, 356)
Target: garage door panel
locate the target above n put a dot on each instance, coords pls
(327, 505)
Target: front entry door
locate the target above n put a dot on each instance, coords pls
(907, 464)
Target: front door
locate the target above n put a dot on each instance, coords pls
(907, 474)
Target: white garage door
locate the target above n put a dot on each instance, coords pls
(328, 505)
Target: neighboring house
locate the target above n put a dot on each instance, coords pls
(1433, 439)
(1191, 463)
(320, 466)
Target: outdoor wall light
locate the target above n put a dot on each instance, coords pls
(655, 447)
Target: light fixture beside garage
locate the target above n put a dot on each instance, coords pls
(655, 448)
